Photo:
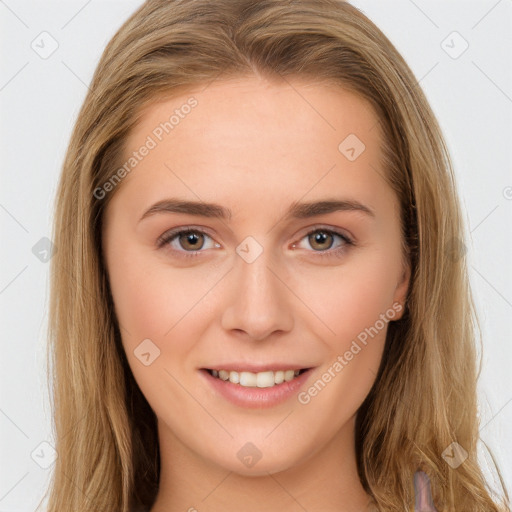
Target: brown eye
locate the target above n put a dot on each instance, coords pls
(186, 243)
(191, 240)
(320, 240)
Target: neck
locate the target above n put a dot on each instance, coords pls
(327, 480)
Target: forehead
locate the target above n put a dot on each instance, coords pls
(248, 137)
(292, 106)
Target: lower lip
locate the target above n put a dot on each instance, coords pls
(257, 398)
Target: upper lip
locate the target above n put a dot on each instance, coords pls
(256, 368)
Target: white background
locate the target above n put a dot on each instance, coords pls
(39, 101)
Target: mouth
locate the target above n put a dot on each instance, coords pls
(262, 389)
(265, 379)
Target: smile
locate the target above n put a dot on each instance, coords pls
(264, 379)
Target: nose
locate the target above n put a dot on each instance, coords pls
(260, 303)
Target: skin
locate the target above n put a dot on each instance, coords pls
(256, 147)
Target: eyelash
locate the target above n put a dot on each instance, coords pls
(170, 236)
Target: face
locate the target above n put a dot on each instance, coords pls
(296, 266)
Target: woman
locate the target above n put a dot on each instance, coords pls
(256, 301)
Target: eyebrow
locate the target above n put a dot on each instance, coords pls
(295, 211)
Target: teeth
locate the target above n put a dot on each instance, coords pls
(249, 379)
(259, 380)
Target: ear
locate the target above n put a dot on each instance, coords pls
(402, 287)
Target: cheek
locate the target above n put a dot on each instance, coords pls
(356, 306)
(153, 300)
(169, 306)
(156, 303)
(151, 297)
(350, 299)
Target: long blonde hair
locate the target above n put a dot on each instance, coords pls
(424, 396)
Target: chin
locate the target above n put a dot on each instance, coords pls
(247, 460)
(261, 468)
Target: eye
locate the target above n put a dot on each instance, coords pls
(188, 242)
(322, 240)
